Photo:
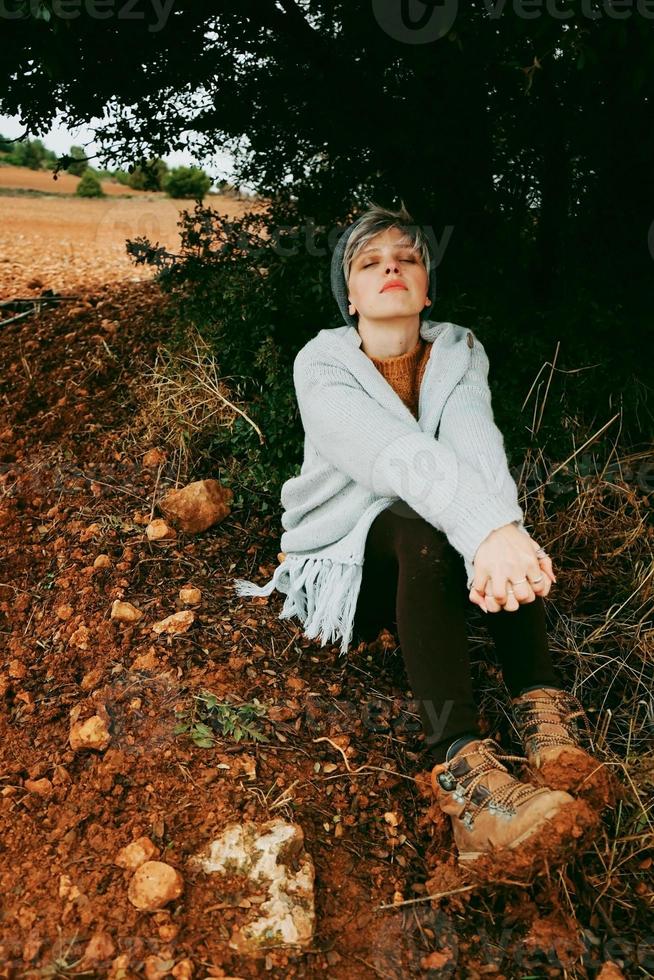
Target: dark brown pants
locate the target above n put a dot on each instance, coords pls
(414, 584)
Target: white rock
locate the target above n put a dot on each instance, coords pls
(265, 853)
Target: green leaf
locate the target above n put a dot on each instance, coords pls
(203, 743)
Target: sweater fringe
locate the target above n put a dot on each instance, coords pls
(321, 592)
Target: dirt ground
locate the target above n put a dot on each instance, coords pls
(342, 751)
(64, 244)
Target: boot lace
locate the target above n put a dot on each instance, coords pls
(503, 798)
(559, 708)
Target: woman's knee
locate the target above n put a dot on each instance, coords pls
(418, 534)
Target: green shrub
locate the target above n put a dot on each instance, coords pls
(149, 175)
(29, 153)
(78, 163)
(187, 182)
(89, 186)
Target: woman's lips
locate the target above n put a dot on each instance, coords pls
(394, 285)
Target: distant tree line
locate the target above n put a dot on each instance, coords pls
(148, 175)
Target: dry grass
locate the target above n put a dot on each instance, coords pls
(184, 398)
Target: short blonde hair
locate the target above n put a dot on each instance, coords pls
(377, 219)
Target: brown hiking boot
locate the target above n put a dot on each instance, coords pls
(490, 809)
(547, 722)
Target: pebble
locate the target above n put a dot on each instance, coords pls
(177, 623)
(154, 885)
(189, 595)
(159, 530)
(89, 734)
(41, 787)
(125, 612)
(133, 855)
(100, 947)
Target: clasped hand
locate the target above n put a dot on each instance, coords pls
(504, 559)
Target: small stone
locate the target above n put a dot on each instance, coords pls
(155, 967)
(80, 638)
(133, 855)
(146, 661)
(159, 530)
(91, 679)
(102, 561)
(154, 885)
(89, 734)
(16, 669)
(179, 622)
(183, 970)
(198, 505)
(89, 532)
(41, 787)
(189, 595)
(67, 889)
(153, 457)
(125, 612)
(119, 968)
(99, 948)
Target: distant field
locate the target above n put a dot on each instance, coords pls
(43, 180)
(61, 243)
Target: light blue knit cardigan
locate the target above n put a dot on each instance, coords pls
(365, 450)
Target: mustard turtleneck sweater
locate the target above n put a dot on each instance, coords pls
(404, 372)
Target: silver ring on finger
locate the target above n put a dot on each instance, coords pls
(541, 553)
(536, 580)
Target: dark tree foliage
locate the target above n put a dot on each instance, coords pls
(522, 135)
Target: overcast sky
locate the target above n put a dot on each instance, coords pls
(60, 139)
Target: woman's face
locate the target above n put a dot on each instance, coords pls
(387, 279)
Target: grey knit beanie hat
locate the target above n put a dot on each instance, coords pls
(339, 287)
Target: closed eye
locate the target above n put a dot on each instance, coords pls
(401, 260)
